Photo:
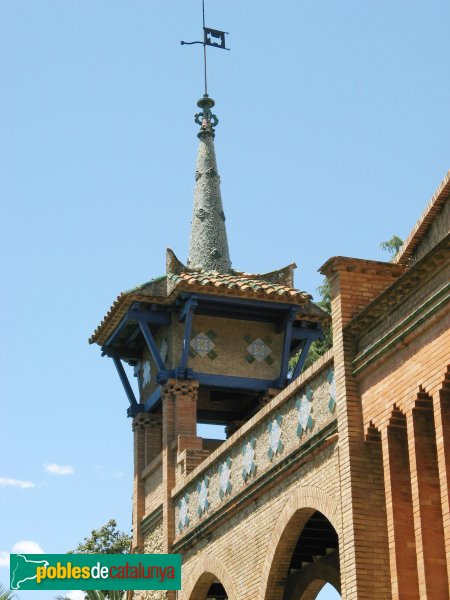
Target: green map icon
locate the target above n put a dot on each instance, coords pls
(23, 569)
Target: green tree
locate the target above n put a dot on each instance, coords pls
(392, 246)
(318, 347)
(6, 594)
(105, 540)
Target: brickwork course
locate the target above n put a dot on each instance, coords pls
(341, 476)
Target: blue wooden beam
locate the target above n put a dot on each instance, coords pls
(277, 306)
(237, 383)
(126, 384)
(154, 350)
(150, 316)
(152, 400)
(187, 313)
(301, 359)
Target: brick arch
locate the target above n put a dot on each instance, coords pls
(293, 517)
(208, 569)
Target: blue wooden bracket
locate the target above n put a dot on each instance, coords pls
(151, 316)
(289, 321)
(301, 358)
(305, 333)
(126, 384)
(190, 305)
(154, 350)
(132, 411)
(186, 314)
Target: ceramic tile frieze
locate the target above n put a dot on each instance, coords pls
(202, 344)
(299, 417)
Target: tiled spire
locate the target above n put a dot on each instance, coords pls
(208, 248)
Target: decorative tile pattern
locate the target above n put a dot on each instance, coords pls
(202, 344)
(224, 478)
(248, 458)
(163, 350)
(258, 349)
(146, 372)
(183, 515)
(202, 490)
(275, 443)
(303, 405)
(331, 391)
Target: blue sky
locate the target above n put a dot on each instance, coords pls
(334, 132)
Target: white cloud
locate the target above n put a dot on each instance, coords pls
(22, 547)
(119, 474)
(55, 469)
(4, 559)
(75, 595)
(27, 547)
(8, 481)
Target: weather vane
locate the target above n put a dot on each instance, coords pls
(211, 37)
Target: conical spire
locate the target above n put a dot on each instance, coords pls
(208, 248)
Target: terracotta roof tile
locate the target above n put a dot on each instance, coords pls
(433, 207)
(237, 285)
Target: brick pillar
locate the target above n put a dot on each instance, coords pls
(441, 405)
(153, 438)
(427, 511)
(363, 544)
(400, 522)
(179, 400)
(147, 445)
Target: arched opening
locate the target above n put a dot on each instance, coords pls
(314, 560)
(209, 581)
(304, 554)
(208, 587)
(216, 592)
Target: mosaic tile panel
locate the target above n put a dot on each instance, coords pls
(146, 372)
(224, 477)
(248, 459)
(163, 350)
(258, 349)
(332, 391)
(303, 405)
(202, 491)
(183, 512)
(202, 344)
(275, 443)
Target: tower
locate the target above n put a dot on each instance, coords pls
(208, 344)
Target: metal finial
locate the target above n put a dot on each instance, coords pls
(211, 37)
(206, 119)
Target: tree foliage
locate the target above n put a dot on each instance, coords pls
(392, 246)
(318, 347)
(105, 540)
(6, 594)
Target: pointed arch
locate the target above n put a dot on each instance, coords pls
(206, 571)
(295, 514)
